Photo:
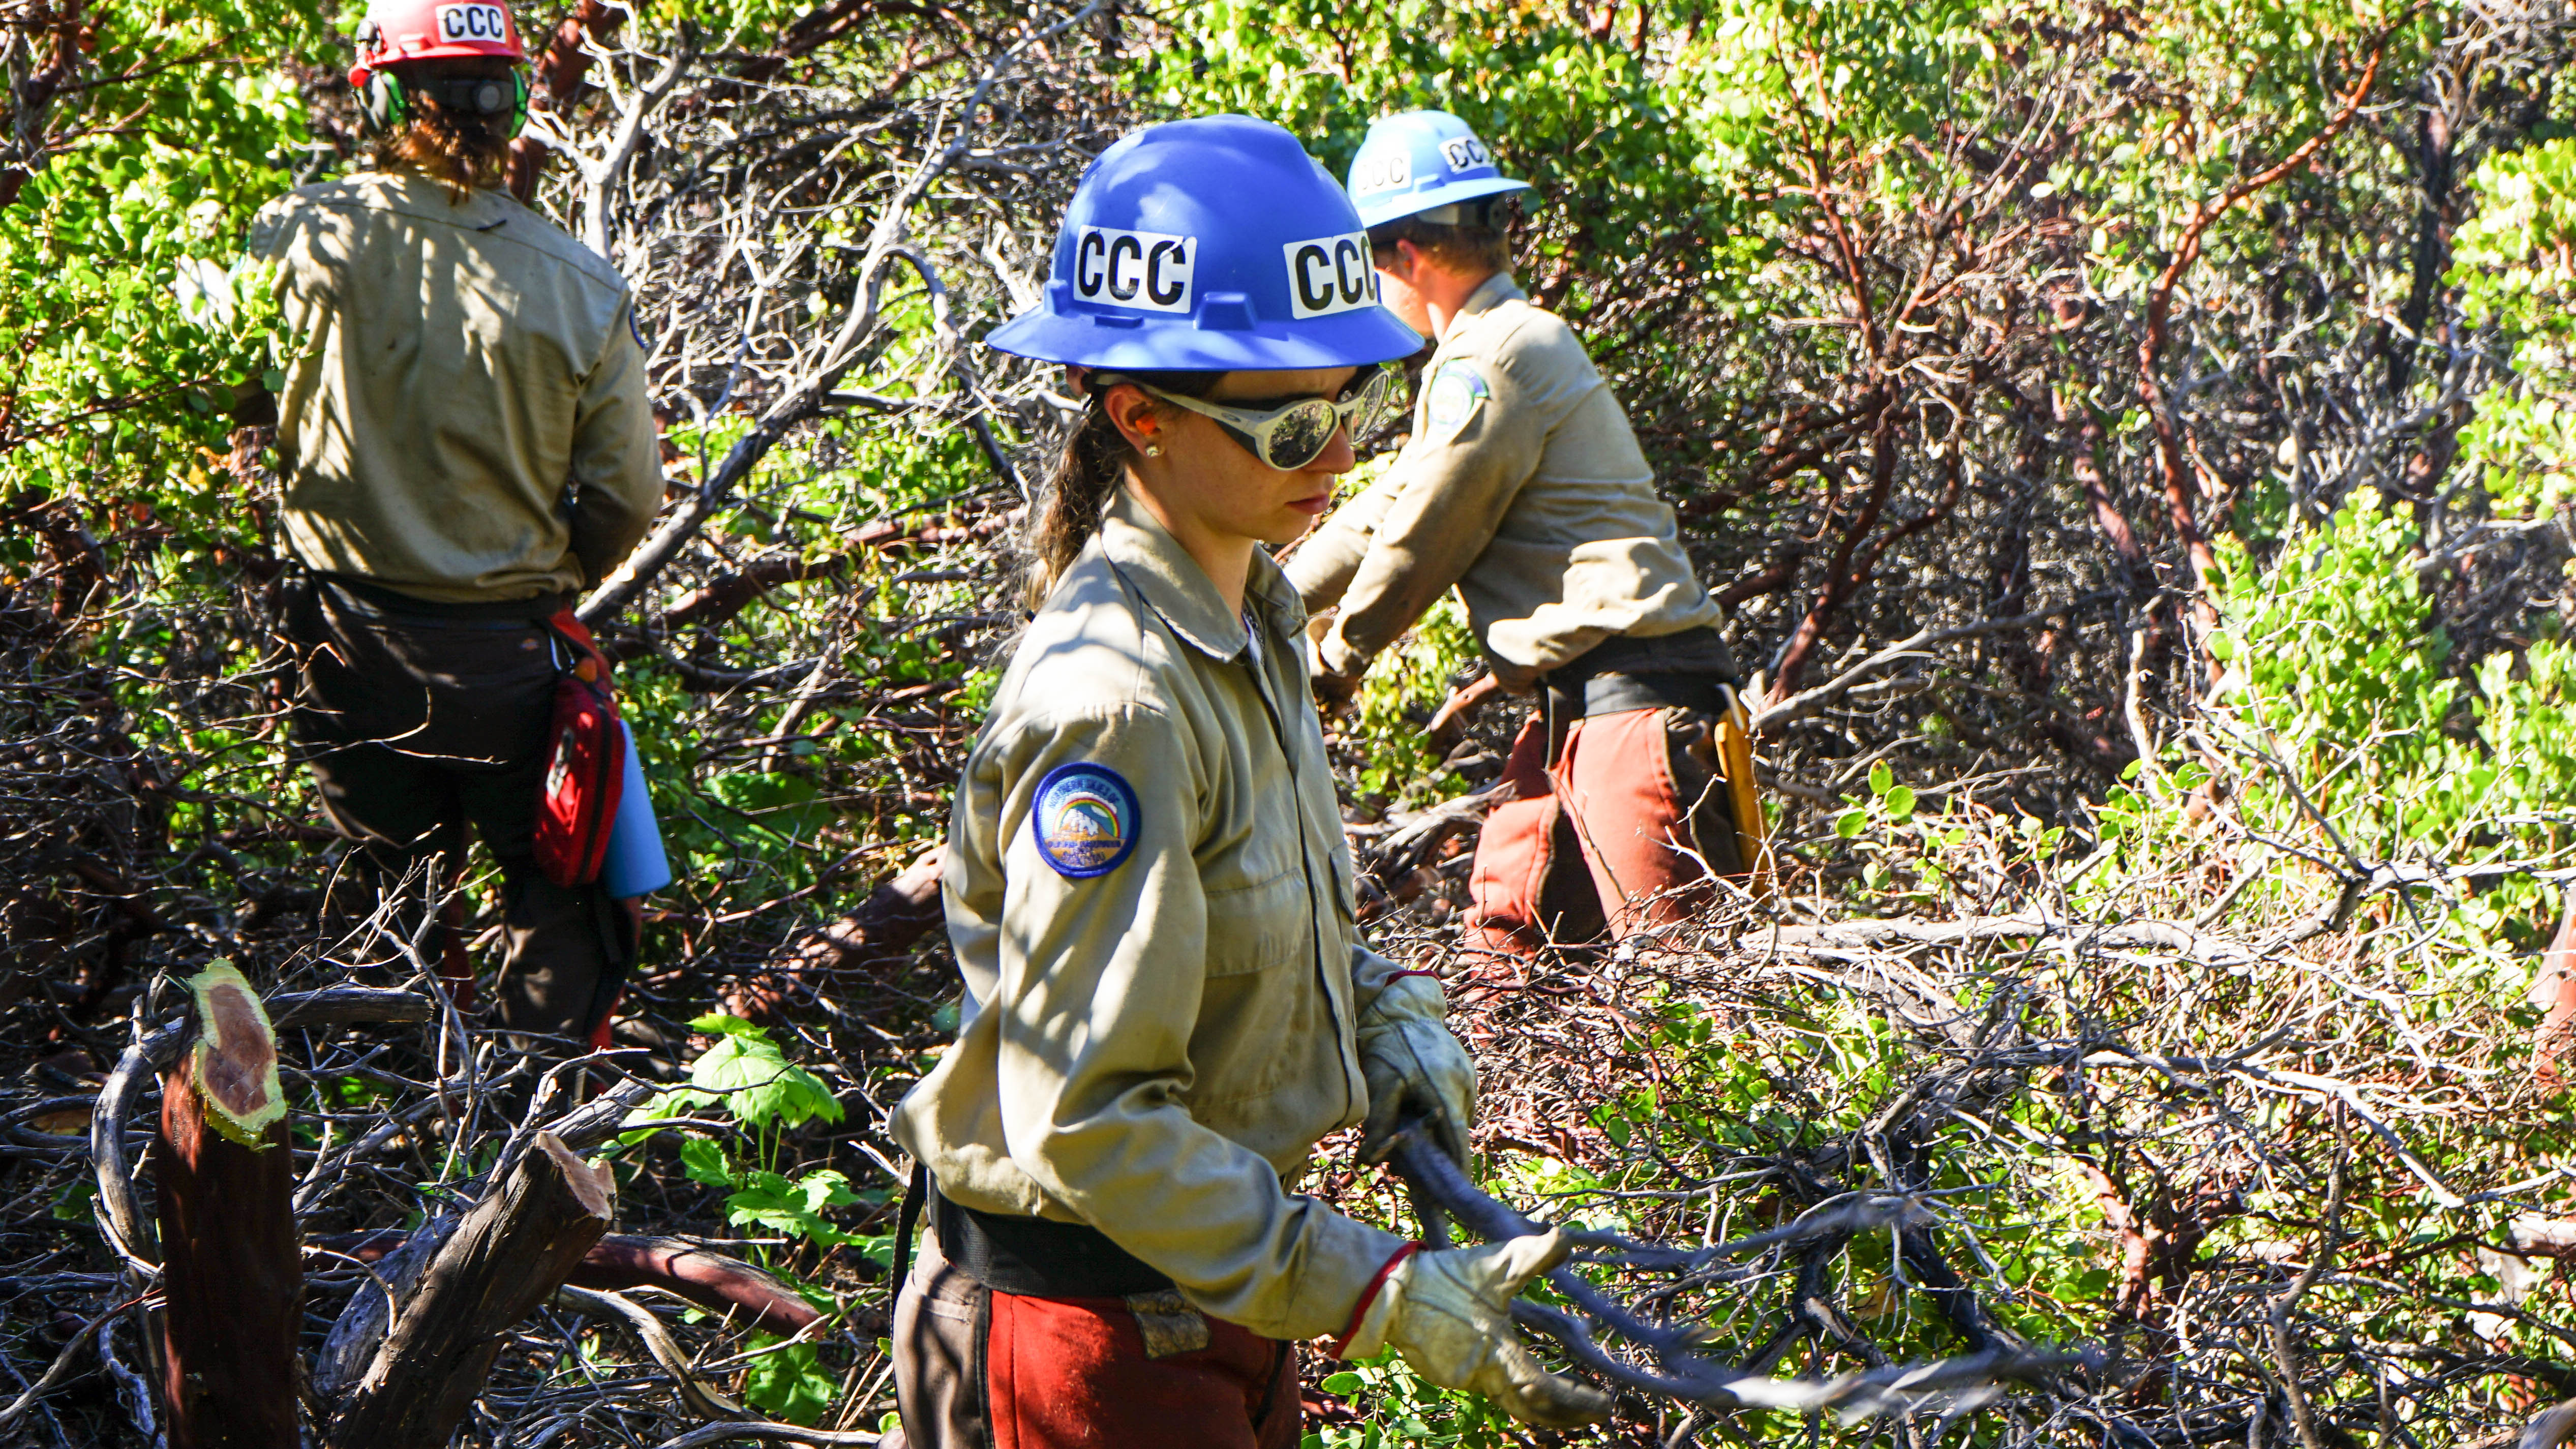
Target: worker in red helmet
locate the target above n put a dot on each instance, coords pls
(466, 440)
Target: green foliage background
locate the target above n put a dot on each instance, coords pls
(2360, 726)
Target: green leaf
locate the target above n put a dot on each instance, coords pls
(788, 1383)
(752, 1077)
(1344, 1382)
(1900, 802)
(1851, 823)
(1880, 778)
(73, 1206)
(705, 1162)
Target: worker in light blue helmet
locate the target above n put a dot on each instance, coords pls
(1168, 1002)
(1430, 166)
(1522, 487)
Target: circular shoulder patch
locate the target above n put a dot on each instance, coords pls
(1456, 391)
(1085, 819)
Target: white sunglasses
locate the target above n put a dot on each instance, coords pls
(1295, 434)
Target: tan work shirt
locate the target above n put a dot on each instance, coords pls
(462, 367)
(1523, 486)
(1154, 1047)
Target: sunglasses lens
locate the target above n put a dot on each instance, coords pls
(1375, 404)
(1303, 433)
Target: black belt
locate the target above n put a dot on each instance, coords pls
(374, 599)
(1038, 1257)
(1689, 670)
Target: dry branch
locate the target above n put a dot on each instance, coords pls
(507, 1256)
(657, 1341)
(1680, 1373)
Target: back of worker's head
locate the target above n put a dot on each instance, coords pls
(442, 88)
(1191, 250)
(1424, 177)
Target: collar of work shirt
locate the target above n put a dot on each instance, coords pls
(1176, 588)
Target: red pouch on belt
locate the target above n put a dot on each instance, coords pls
(585, 764)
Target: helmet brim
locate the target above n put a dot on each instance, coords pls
(1396, 205)
(1101, 339)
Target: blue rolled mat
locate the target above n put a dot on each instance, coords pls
(635, 864)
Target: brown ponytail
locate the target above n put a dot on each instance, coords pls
(1092, 465)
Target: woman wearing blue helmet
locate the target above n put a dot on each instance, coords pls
(1168, 1002)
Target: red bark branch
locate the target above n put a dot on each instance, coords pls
(884, 928)
(703, 1276)
(2180, 490)
(1839, 579)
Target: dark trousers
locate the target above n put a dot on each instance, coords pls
(417, 727)
(975, 1368)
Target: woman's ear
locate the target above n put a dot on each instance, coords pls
(1135, 415)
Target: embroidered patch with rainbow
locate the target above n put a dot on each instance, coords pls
(1085, 819)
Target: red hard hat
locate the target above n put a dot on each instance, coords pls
(399, 30)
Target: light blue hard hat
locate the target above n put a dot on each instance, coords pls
(1423, 163)
(1204, 246)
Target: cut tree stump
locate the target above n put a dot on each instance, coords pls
(231, 1259)
(505, 1258)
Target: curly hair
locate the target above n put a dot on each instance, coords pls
(459, 150)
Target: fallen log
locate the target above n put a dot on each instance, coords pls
(398, 1262)
(507, 1256)
(231, 1268)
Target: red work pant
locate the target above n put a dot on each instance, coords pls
(1620, 830)
(979, 1369)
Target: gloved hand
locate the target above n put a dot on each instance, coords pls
(1449, 1313)
(1414, 1068)
(1335, 672)
(1333, 692)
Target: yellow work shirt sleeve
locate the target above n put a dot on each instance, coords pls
(1452, 485)
(1100, 985)
(1322, 566)
(616, 456)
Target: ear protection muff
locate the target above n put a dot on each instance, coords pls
(386, 101)
(382, 104)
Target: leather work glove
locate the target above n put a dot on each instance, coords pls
(1333, 692)
(1449, 1313)
(1335, 671)
(1414, 1068)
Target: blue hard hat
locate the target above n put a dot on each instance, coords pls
(1204, 246)
(1419, 162)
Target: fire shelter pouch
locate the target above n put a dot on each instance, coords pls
(585, 763)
